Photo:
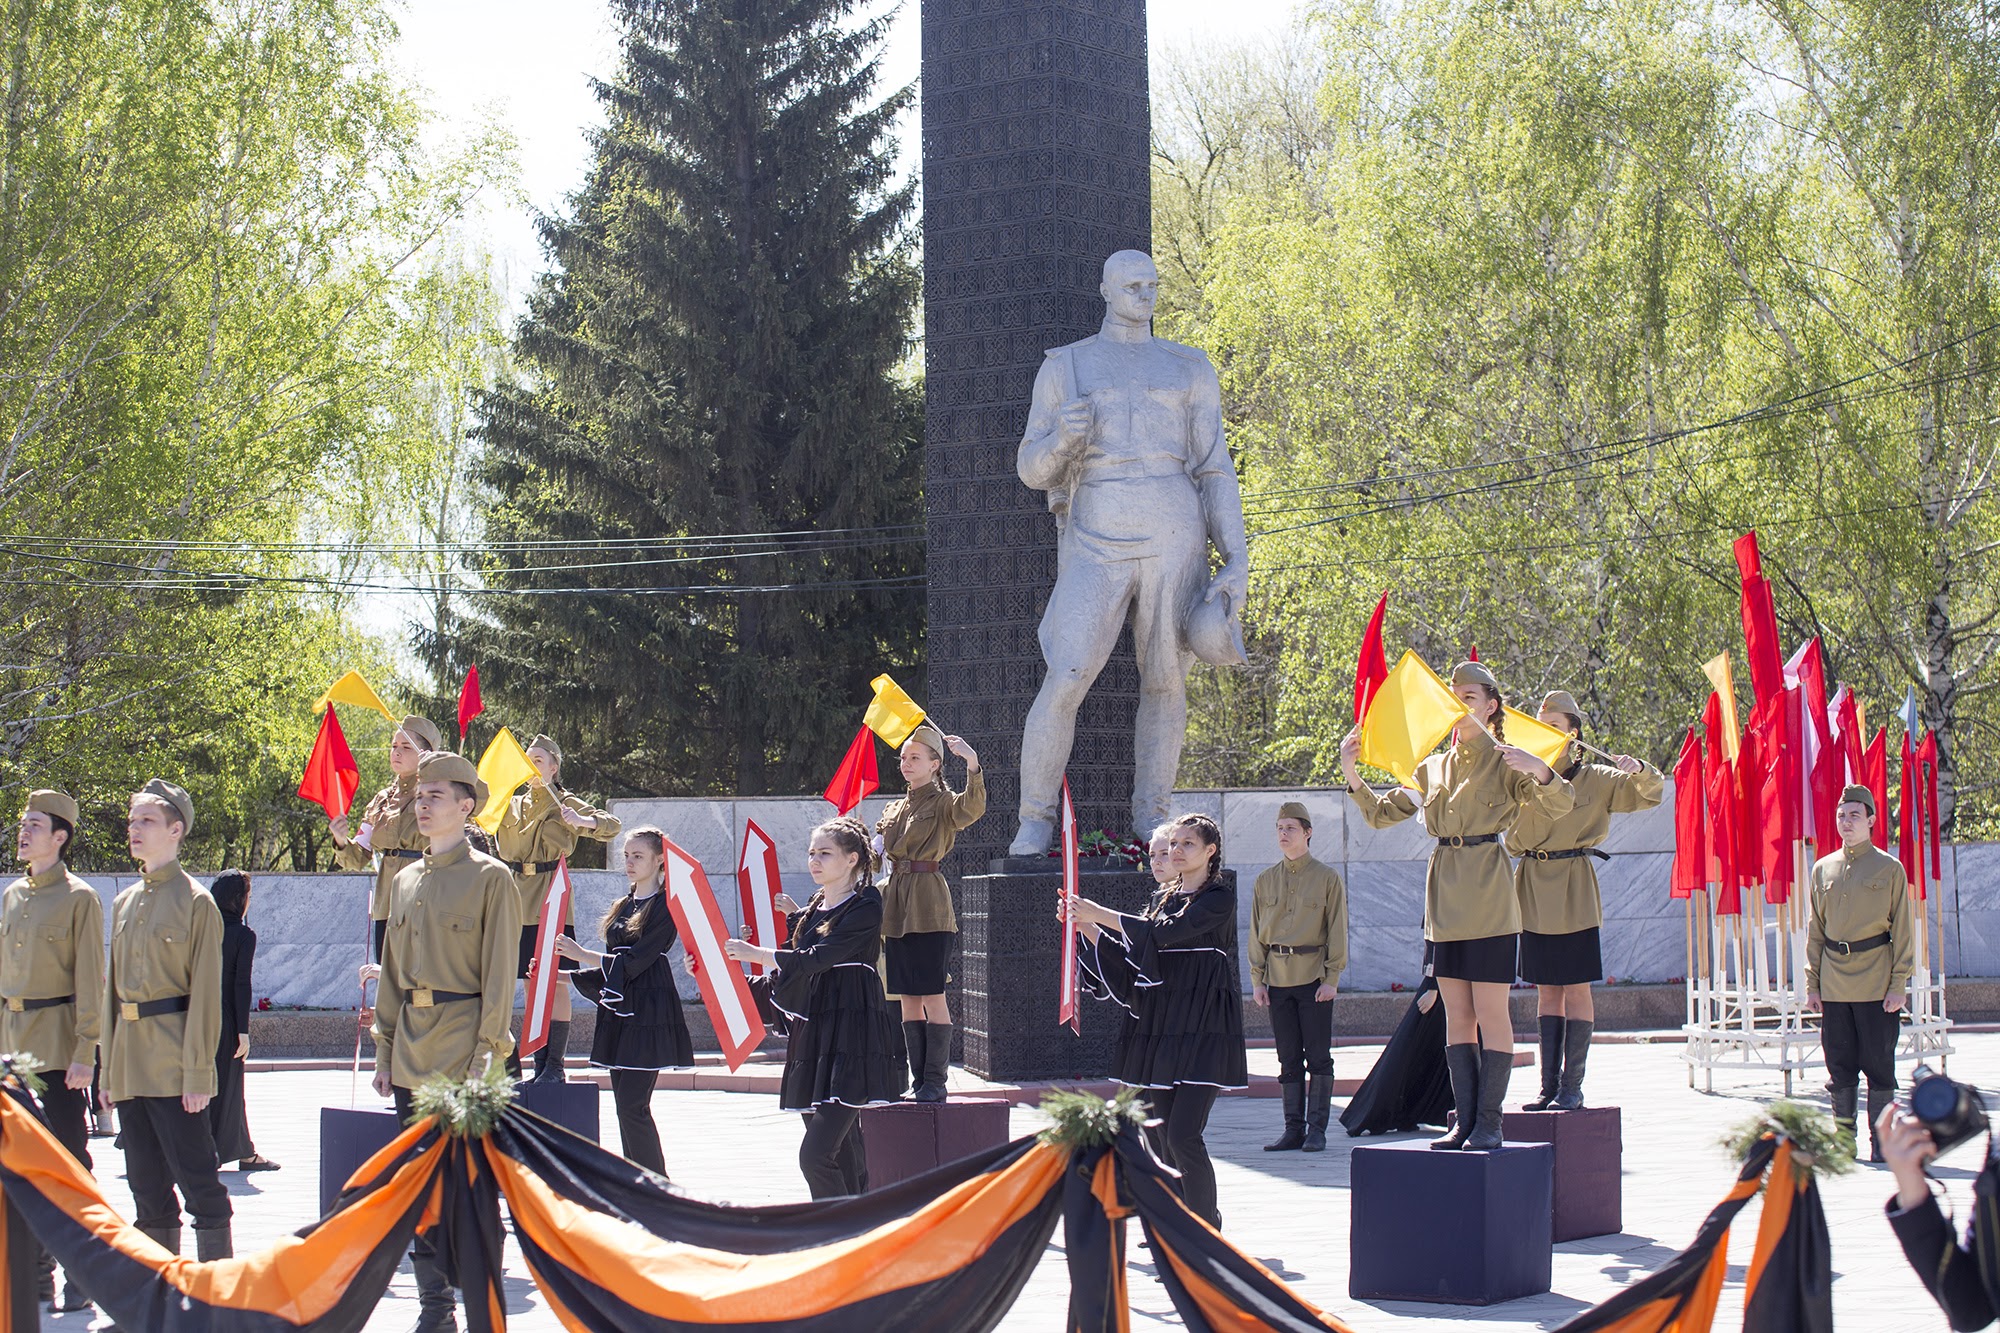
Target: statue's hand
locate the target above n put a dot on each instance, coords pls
(1073, 425)
(1232, 579)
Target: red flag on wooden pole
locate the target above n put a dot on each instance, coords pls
(470, 705)
(1371, 667)
(856, 776)
(1690, 850)
(1760, 622)
(1910, 820)
(331, 778)
(1927, 759)
(1875, 767)
(1719, 782)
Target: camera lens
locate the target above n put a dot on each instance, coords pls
(1933, 1099)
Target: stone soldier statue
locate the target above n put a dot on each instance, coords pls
(1125, 435)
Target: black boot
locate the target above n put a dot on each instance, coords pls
(1319, 1102)
(1843, 1100)
(1495, 1068)
(167, 1238)
(913, 1042)
(937, 1062)
(214, 1243)
(1552, 1059)
(549, 1060)
(1878, 1099)
(73, 1298)
(1576, 1055)
(437, 1311)
(1294, 1136)
(45, 1279)
(1463, 1064)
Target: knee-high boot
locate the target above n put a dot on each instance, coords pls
(914, 1033)
(549, 1060)
(1878, 1100)
(937, 1061)
(1552, 1062)
(1576, 1055)
(1319, 1104)
(437, 1309)
(1495, 1068)
(214, 1243)
(1843, 1100)
(1462, 1062)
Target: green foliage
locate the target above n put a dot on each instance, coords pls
(466, 1108)
(1809, 1130)
(25, 1067)
(1501, 328)
(1085, 1120)
(715, 354)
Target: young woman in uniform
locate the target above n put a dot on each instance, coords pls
(1561, 909)
(1169, 968)
(389, 840)
(640, 1027)
(1469, 794)
(541, 826)
(842, 1052)
(917, 833)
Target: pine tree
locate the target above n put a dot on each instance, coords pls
(714, 352)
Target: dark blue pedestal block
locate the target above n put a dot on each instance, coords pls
(571, 1105)
(346, 1140)
(1458, 1228)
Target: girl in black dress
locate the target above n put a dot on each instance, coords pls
(1171, 970)
(1409, 1086)
(843, 1051)
(640, 1027)
(227, 1117)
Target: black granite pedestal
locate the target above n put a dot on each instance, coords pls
(1011, 975)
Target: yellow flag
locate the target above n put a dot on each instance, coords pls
(1724, 680)
(352, 689)
(1537, 738)
(503, 767)
(893, 715)
(1410, 713)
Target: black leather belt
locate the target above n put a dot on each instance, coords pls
(1295, 948)
(1570, 855)
(131, 1009)
(920, 867)
(1845, 947)
(401, 853)
(424, 998)
(1468, 840)
(532, 867)
(16, 1005)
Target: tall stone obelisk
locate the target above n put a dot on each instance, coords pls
(1036, 158)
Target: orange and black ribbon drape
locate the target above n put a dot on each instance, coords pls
(1790, 1285)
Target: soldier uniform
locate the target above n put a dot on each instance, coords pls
(1298, 941)
(447, 991)
(1561, 909)
(391, 823)
(162, 1019)
(1860, 949)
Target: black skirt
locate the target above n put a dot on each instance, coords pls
(1490, 958)
(1171, 974)
(227, 1119)
(1561, 960)
(919, 964)
(1409, 1086)
(528, 934)
(849, 1049)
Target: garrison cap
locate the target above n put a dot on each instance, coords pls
(1296, 810)
(444, 766)
(423, 731)
(176, 797)
(1859, 795)
(926, 734)
(1474, 673)
(545, 742)
(55, 804)
(1562, 701)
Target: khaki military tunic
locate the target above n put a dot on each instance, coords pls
(166, 941)
(1298, 904)
(392, 820)
(455, 926)
(922, 826)
(1561, 897)
(1467, 791)
(51, 944)
(532, 833)
(1858, 893)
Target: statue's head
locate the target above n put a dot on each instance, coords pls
(1131, 286)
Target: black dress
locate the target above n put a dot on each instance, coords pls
(843, 1046)
(1173, 974)
(639, 1020)
(1409, 1086)
(227, 1118)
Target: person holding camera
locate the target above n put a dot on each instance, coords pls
(1859, 952)
(1909, 1139)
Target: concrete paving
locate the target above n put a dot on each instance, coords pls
(1288, 1209)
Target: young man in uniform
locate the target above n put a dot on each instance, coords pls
(1298, 949)
(162, 1020)
(1859, 952)
(447, 990)
(52, 984)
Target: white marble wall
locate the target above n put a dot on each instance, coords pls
(311, 928)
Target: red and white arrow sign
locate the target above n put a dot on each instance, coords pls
(758, 884)
(724, 990)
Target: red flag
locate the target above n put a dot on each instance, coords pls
(757, 885)
(1748, 791)
(470, 705)
(1875, 765)
(856, 776)
(1719, 783)
(330, 778)
(1472, 655)
(1760, 622)
(1690, 852)
(544, 971)
(1909, 820)
(1853, 745)
(1774, 723)
(1066, 1006)
(1371, 667)
(724, 990)
(1927, 759)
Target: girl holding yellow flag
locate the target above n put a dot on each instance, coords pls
(389, 839)
(1470, 794)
